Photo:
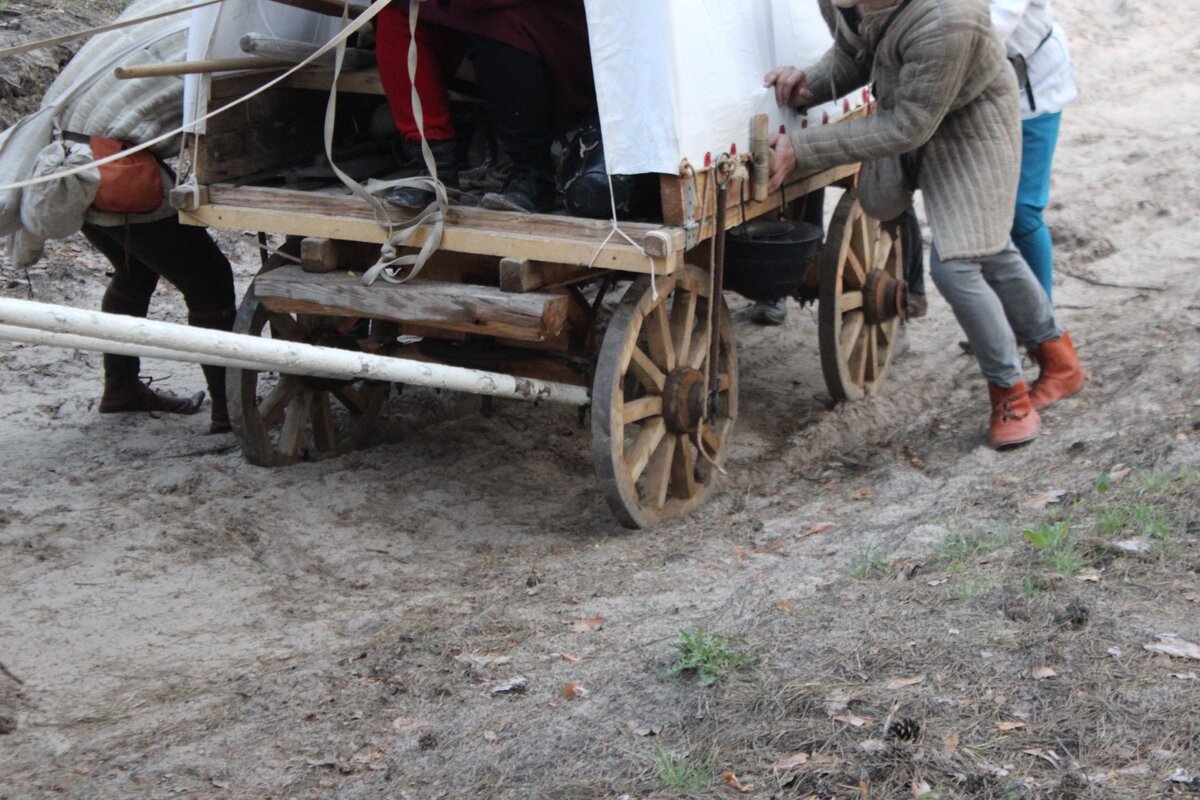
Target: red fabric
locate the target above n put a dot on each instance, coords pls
(553, 30)
(440, 50)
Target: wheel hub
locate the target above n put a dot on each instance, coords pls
(683, 400)
(884, 297)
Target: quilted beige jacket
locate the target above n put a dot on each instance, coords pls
(942, 81)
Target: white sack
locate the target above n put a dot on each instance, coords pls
(678, 79)
(19, 146)
(23, 248)
(55, 210)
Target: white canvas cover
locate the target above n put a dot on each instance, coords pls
(677, 79)
(217, 30)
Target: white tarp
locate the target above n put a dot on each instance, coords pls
(216, 32)
(677, 79)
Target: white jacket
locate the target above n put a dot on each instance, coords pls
(1027, 28)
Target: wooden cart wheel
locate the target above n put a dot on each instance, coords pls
(282, 419)
(649, 398)
(862, 298)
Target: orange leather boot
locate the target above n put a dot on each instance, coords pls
(1014, 420)
(1060, 376)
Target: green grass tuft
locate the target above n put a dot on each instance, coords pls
(711, 656)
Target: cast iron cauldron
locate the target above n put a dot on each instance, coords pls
(767, 259)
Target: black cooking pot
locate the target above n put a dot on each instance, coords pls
(766, 259)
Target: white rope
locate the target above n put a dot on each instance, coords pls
(390, 264)
(612, 199)
(125, 23)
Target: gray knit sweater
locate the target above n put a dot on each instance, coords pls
(942, 81)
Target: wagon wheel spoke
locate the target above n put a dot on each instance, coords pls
(712, 443)
(352, 399)
(646, 371)
(274, 404)
(683, 469)
(850, 301)
(324, 429)
(852, 327)
(872, 360)
(643, 446)
(637, 410)
(856, 269)
(659, 472)
(683, 322)
(698, 351)
(291, 438)
(658, 335)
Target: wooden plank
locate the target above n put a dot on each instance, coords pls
(519, 275)
(318, 254)
(471, 309)
(359, 81)
(534, 237)
(546, 369)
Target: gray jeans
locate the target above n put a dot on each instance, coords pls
(998, 302)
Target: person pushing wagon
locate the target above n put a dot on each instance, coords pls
(944, 87)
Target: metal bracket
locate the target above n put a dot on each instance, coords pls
(691, 228)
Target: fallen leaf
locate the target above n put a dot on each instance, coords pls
(1185, 676)
(1045, 499)
(900, 683)
(568, 657)
(638, 729)
(1133, 545)
(836, 702)
(793, 761)
(1010, 726)
(820, 527)
(921, 788)
(732, 781)
(1172, 645)
(573, 691)
(1118, 473)
(787, 607)
(1053, 758)
(588, 625)
(482, 662)
(1042, 673)
(404, 724)
(1192, 598)
(950, 743)
(938, 581)
(861, 494)
(825, 758)
(853, 720)
(515, 685)
(1090, 575)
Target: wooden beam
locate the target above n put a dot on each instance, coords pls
(519, 275)
(471, 309)
(533, 237)
(330, 8)
(318, 254)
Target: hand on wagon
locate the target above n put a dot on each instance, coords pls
(784, 160)
(791, 86)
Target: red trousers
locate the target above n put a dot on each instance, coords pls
(440, 51)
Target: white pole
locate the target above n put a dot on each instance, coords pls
(209, 346)
(13, 333)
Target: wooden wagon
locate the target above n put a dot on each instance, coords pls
(539, 297)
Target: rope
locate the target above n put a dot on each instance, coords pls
(390, 264)
(70, 37)
(612, 199)
(360, 21)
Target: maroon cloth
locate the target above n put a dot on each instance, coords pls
(553, 30)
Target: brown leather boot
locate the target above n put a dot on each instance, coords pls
(1014, 420)
(219, 419)
(1060, 376)
(123, 395)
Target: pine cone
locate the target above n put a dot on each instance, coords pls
(905, 729)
